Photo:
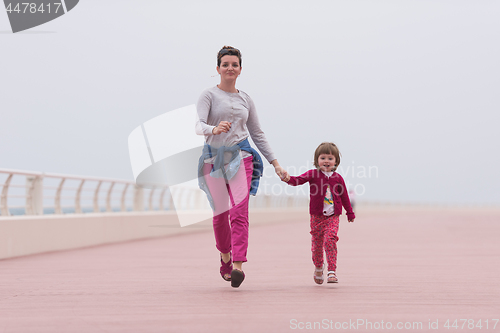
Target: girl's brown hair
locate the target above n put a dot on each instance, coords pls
(327, 148)
(228, 50)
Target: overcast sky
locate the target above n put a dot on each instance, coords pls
(409, 88)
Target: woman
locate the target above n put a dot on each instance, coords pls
(229, 167)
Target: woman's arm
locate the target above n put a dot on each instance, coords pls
(257, 134)
(280, 171)
(260, 139)
(203, 109)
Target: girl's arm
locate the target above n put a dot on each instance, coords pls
(299, 180)
(346, 202)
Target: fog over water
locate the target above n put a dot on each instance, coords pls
(408, 90)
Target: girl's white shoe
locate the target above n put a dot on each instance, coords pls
(332, 277)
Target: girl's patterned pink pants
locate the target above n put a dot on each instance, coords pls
(324, 231)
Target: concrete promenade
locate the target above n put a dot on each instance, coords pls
(406, 268)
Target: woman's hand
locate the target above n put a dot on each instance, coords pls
(351, 220)
(284, 176)
(223, 127)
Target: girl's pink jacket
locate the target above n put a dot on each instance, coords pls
(318, 183)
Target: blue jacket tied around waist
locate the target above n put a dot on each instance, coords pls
(218, 170)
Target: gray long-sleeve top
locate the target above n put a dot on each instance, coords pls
(216, 105)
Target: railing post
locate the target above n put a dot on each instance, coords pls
(269, 203)
(5, 192)
(57, 202)
(123, 207)
(78, 207)
(138, 198)
(96, 197)
(34, 195)
(171, 205)
(108, 198)
(160, 202)
(150, 201)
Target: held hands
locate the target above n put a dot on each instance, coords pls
(351, 220)
(284, 176)
(223, 127)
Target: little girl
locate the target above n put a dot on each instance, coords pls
(328, 194)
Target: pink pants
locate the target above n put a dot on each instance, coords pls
(324, 231)
(231, 204)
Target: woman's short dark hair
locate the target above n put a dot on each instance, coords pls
(327, 148)
(228, 50)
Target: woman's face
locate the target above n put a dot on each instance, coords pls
(229, 68)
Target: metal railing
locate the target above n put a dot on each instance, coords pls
(69, 195)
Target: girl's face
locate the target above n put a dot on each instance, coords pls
(229, 67)
(326, 162)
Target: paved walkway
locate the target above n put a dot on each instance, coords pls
(399, 268)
